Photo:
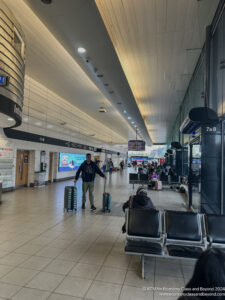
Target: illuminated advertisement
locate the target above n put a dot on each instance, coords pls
(70, 161)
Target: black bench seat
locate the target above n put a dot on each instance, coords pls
(171, 234)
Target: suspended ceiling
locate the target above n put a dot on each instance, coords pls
(158, 43)
(49, 64)
(147, 57)
(53, 34)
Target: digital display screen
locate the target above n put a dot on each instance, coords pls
(2, 80)
(70, 161)
(136, 145)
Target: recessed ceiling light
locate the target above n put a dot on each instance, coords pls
(81, 50)
(10, 119)
(102, 109)
(128, 118)
(132, 122)
(124, 111)
(135, 125)
(49, 126)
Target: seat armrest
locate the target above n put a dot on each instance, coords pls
(126, 219)
(164, 237)
(210, 240)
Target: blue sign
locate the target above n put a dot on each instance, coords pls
(2, 80)
(70, 161)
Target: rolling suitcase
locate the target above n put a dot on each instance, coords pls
(70, 198)
(159, 185)
(106, 200)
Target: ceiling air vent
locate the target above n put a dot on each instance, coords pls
(102, 109)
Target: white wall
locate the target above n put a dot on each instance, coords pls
(34, 158)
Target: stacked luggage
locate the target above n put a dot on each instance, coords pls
(70, 198)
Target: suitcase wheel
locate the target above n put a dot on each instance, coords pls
(109, 210)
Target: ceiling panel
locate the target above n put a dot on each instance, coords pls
(76, 23)
(48, 63)
(158, 43)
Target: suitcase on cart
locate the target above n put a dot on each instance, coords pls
(70, 198)
(106, 200)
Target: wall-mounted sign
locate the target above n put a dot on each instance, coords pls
(36, 138)
(70, 161)
(6, 153)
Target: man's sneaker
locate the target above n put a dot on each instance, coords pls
(83, 206)
(93, 207)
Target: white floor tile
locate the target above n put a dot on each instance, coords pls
(36, 263)
(14, 259)
(103, 291)
(111, 275)
(19, 276)
(74, 286)
(45, 281)
(31, 294)
(134, 293)
(85, 271)
(8, 290)
(59, 266)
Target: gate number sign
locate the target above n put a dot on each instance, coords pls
(211, 129)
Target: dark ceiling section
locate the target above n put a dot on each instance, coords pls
(78, 23)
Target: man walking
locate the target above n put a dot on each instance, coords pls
(88, 169)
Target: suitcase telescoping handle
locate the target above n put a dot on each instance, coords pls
(104, 185)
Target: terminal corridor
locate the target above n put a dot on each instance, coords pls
(48, 254)
(120, 102)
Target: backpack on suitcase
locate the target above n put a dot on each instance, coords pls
(106, 200)
(70, 198)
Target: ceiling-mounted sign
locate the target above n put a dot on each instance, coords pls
(136, 145)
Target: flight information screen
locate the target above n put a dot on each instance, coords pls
(70, 161)
(136, 145)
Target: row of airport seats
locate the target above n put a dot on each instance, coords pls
(135, 178)
(172, 234)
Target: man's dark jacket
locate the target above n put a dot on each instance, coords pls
(88, 171)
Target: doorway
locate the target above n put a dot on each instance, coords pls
(22, 161)
(50, 167)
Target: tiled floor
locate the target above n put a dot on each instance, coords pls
(48, 254)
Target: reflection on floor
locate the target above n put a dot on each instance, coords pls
(48, 254)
